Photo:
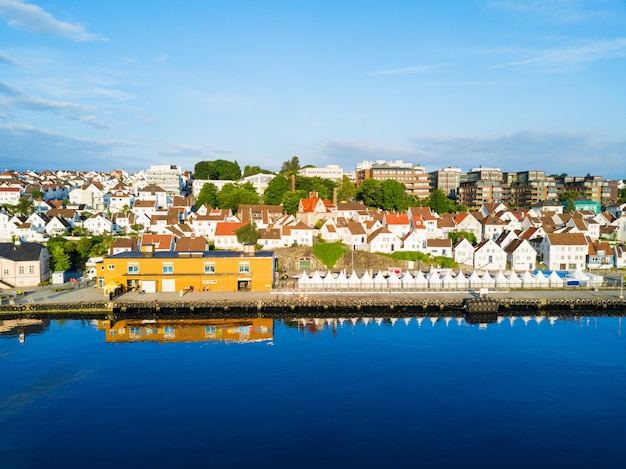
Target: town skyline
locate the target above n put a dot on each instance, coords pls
(509, 84)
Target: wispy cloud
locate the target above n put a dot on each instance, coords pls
(33, 18)
(182, 150)
(588, 52)
(64, 109)
(40, 149)
(557, 11)
(553, 152)
(405, 70)
(6, 60)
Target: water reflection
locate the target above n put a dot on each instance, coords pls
(315, 325)
(21, 328)
(188, 330)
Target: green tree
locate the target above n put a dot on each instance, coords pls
(252, 170)
(247, 234)
(457, 236)
(207, 195)
(440, 203)
(323, 187)
(370, 192)
(290, 166)
(275, 190)
(137, 227)
(59, 259)
(346, 189)
(24, 206)
(393, 195)
(233, 195)
(217, 170)
(291, 201)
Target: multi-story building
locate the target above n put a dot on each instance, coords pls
(168, 177)
(483, 186)
(413, 177)
(331, 171)
(173, 271)
(528, 188)
(447, 179)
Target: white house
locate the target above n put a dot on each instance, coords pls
(489, 256)
(383, 240)
(464, 252)
(564, 251)
(521, 255)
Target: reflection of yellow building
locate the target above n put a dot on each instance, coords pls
(173, 271)
(188, 330)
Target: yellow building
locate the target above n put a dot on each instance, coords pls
(173, 271)
(189, 330)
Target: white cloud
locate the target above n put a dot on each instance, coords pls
(553, 152)
(64, 109)
(559, 11)
(405, 70)
(589, 52)
(34, 19)
(41, 149)
(6, 60)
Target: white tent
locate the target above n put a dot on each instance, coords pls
(528, 281)
(514, 280)
(461, 281)
(555, 280)
(420, 280)
(541, 280)
(408, 282)
(316, 282)
(488, 281)
(501, 280)
(434, 281)
(366, 281)
(354, 281)
(329, 281)
(341, 282)
(393, 281)
(448, 282)
(380, 282)
(475, 281)
(303, 281)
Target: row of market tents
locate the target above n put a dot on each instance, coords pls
(436, 280)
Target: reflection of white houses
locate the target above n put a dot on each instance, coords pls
(564, 251)
(489, 256)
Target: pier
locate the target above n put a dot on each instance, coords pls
(90, 304)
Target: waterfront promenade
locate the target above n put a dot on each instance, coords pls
(88, 300)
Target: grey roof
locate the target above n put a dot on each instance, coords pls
(21, 252)
(177, 254)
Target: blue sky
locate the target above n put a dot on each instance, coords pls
(514, 84)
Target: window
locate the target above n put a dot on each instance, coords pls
(244, 269)
(168, 269)
(6, 271)
(111, 266)
(31, 269)
(209, 269)
(21, 269)
(133, 269)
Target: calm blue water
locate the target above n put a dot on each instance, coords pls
(365, 395)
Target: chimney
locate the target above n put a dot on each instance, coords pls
(335, 197)
(293, 183)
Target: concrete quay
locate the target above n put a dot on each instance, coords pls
(90, 302)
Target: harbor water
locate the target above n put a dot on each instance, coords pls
(361, 392)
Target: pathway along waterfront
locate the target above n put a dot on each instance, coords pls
(89, 304)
